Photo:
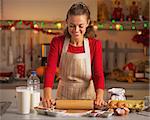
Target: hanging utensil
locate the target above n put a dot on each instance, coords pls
(3, 47)
(10, 50)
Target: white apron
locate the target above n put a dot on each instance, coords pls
(75, 74)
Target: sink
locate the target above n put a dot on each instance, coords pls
(4, 105)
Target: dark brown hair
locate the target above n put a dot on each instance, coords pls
(77, 9)
(90, 29)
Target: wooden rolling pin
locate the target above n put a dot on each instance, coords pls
(75, 104)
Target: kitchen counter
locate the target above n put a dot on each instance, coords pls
(136, 90)
(7, 93)
(108, 84)
(12, 114)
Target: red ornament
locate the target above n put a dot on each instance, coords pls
(21, 70)
(129, 66)
(142, 38)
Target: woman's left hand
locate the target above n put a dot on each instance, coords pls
(99, 102)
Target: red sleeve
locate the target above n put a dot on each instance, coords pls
(98, 75)
(52, 61)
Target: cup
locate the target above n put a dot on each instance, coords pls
(23, 99)
(35, 99)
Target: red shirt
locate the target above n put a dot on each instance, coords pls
(54, 58)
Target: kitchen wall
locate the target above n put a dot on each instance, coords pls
(41, 9)
(19, 41)
(56, 9)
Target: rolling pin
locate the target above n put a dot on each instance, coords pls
(75, 104)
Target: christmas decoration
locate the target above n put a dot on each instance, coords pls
(143, 37)
(20, 68)
(103, 12)
(17, 25)
(118, 12)
(40, 70)
(133, 11)
(52, 27)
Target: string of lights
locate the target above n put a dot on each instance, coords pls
(49, 27)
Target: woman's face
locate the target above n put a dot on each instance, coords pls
(77, 26)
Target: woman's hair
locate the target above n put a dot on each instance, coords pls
(90, 32)
(77, 9)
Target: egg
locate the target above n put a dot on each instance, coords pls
(120, 111)
(113, 104)
(126, 110)
(126, 105)
(120, 104)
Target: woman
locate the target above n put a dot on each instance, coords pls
(79, 59)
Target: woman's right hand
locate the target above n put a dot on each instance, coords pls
(47, 100)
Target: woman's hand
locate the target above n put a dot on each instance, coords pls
(99, 101)
(47, 100)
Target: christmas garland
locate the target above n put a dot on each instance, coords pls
(142, 38)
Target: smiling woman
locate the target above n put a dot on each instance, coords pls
(77, 28)
(79, 60)
(78, 18)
